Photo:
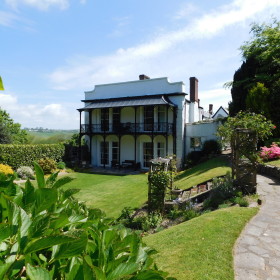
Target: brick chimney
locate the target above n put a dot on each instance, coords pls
(211, 109)
(143, 77)
(193, 89)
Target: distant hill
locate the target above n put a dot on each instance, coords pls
(49, 136)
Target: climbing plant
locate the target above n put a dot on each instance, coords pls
(160, 179)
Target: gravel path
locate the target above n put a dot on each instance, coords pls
(257, 251)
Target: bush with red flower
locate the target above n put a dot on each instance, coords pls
(270, 153)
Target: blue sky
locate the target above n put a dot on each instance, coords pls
(54, 50)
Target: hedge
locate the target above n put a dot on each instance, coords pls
(24, 155)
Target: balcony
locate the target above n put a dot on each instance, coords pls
(128, 128)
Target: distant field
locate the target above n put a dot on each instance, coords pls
(50, 137)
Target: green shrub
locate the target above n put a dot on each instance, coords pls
(242, 201)
(25, 155)
(61, 165)
(190, 214)
(25, 172)
(211, 147)
(48, 165)
(151, 221)
(222, 189)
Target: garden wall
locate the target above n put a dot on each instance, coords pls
(269, 170)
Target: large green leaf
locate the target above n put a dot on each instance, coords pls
(45, 198)
(62, 181)
(39, 176)
(149, 275)
(46, 242)
(5, 231)
(75, 272)
(28, 194)
(124, 269)
(51, 180)
(3, 269)
(72, 248)
(39, 225)
(37, 273)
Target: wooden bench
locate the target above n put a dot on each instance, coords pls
(128, 163)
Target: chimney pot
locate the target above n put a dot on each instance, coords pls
(193, 89)
(143, 77)
(211, 109)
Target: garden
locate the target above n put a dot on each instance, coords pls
(91, 226)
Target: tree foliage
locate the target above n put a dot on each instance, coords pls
(261, 64)
(11, 132)
(258, 100)
(1, 84)
(252, 121)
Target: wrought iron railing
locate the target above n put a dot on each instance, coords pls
(123, 128)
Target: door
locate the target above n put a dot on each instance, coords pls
(147, 153)
(105, 119)
(104, 153)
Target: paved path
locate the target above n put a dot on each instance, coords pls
(257, 251)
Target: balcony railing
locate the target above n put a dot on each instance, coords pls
(128, 128)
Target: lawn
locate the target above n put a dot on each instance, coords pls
(110, 193)
(201, 249)
(202, 172)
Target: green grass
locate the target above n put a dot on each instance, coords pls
(110, 193)
(201, 249)
(202, 172)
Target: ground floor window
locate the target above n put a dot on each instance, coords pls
(160, 149)
(196, 142)
(115, 152)
(147, 153)
(104, 153)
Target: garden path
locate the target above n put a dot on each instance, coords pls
(257, 251)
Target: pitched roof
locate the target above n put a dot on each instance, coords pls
(128, 102)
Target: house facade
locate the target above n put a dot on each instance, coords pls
(135, 121)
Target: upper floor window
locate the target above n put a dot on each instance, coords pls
(105, 119)
(148, 118)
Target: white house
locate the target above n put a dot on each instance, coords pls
(132, 122)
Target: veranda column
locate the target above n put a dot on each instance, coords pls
(135, 110)
(174, 130)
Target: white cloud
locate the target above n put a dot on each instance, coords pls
(39, 4)
(125, 63)
(185, 10)
(8, 19)
(55, 116)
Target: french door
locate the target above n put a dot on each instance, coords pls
(147, 153)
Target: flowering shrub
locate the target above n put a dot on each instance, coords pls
(25, 172)
(270, 153)
(48, 165)
(6, 169)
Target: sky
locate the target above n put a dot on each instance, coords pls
(52, 51)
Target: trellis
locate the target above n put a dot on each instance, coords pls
(160, 179)
(244, 158)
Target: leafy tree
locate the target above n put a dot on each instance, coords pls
(1, 84)
(255, 122)
(258, 100)
(261, 63)
(11, 132)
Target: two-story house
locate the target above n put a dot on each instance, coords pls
(138, 120)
